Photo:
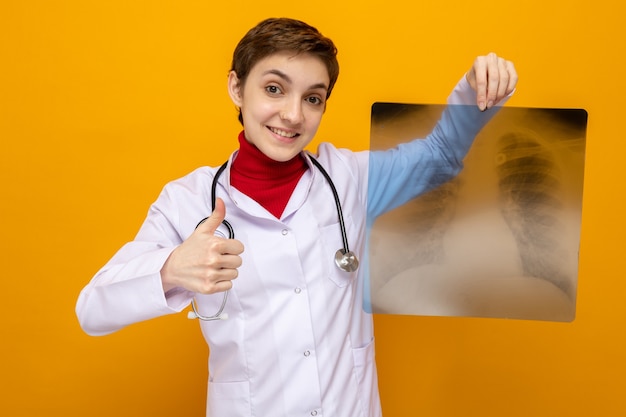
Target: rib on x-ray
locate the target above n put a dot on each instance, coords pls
(499, 240)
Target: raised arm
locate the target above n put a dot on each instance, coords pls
(402, 173)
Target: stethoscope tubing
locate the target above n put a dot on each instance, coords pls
(220, 315)
(342, 225)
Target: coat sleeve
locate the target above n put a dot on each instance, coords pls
(128, 288)
(402, 173)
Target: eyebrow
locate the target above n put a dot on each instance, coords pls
(290, 81)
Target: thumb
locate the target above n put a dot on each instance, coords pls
(212, 222)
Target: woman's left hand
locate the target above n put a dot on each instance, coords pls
(493, 78)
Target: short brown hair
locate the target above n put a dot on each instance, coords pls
(282, 34)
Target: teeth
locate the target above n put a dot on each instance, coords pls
(283, 133)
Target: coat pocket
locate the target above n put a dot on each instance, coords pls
(367, 379)
(229, 399)
(332, 240)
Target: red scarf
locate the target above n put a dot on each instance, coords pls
(268, 182)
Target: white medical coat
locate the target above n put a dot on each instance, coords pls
(299, 340)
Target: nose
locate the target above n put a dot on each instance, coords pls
(292, 112)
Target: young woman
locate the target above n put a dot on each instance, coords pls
(297, 340)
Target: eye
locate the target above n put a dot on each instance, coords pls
(314, 100)
(273, 89)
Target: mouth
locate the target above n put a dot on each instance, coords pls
(283, 133)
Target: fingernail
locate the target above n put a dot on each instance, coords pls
(481, 105)
(490, 104)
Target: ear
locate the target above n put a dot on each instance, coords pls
(234, 89)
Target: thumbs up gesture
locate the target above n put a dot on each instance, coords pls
(204, 263)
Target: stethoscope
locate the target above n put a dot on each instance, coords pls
(345, 259)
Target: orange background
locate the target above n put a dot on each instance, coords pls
(102, 103)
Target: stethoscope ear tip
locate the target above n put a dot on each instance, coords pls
(191, 315)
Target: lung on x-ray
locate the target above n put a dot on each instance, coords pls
(499, 240)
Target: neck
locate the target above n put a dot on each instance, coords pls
(270, 183)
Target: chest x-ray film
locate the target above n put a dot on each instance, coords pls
(501, 239)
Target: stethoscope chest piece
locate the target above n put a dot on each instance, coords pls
(346, 261)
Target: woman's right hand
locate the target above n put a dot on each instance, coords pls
(204, 263)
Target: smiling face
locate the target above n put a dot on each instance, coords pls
(282, 101)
